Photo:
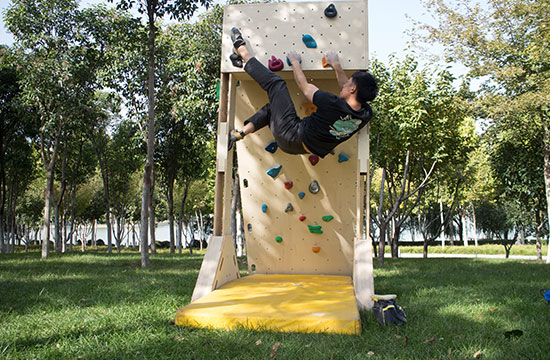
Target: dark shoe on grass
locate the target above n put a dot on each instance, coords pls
(237, 38)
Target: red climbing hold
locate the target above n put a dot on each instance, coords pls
(275, 64)
(302, 218)
(313, 159)
(288, 184)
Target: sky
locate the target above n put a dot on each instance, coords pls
(387, 25)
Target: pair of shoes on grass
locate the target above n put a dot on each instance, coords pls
(235, 136)
(237, 39)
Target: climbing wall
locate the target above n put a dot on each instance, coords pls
(288, 228)
(274, 29)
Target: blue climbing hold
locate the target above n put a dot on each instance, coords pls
(342, 158)
(274, 171)
(301, 195)
(309, 41)
(264, 208)
(272, 147)
(288, 62)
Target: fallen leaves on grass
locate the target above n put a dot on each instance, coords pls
(275, 348)
(477, 355)
(429, 340)
(258, 342)
(370, 353)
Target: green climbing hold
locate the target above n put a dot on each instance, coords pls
(278, 239)
(315, 229)
(328, 218)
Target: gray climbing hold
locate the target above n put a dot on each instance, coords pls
(289, 207)
(314, 187)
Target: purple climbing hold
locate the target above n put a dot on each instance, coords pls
(342, 158)
(272, 147)
(274, 171)
(275, 64)
(309, 41)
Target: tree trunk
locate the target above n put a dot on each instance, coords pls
(546, 144)
(442, 226)
(171, 214)
(47, 212)
(538, 228)
(475, 225)
(152, 217)
(396, 232)
(71, 235)
(381, 242)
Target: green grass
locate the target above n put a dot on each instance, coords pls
(96, 306)
(486, 249)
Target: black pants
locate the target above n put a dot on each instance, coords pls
(279, 113)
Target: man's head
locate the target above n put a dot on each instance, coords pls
(367, 86)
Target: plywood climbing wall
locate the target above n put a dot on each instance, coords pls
(273, 30)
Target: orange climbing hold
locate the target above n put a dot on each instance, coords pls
(324, 62)
(315, 249)
(309, 108)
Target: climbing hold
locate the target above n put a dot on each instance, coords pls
(264, 208)
(330, 11)
(236, 60)
(315, 229)
(289, 207)
(309, 108)
(314, 187)
(249, 227)
(288, 184)
(309, 41)
(289, 63)
(328, 218)
(302, 218)
(315, 249)
(272, 147)
(324, 62)
(278, 239)
(313, 159)
(274, 171)
(342, 158)
(275, 64)
(301, 195)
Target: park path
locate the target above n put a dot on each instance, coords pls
(469, 256)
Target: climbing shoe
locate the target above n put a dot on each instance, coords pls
(236, 60)
(235, 136)
(237, 38)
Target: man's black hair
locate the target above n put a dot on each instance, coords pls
(367, 86)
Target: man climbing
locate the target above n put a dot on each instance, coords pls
(337, 117)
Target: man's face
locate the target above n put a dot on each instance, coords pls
(347, 89)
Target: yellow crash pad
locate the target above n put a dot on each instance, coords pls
(286, 303)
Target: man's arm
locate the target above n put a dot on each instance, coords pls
(332, 59)
(306, 88)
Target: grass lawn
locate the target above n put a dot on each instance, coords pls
(96, 306)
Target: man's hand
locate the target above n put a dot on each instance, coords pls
(332, 58)
(293, 57)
